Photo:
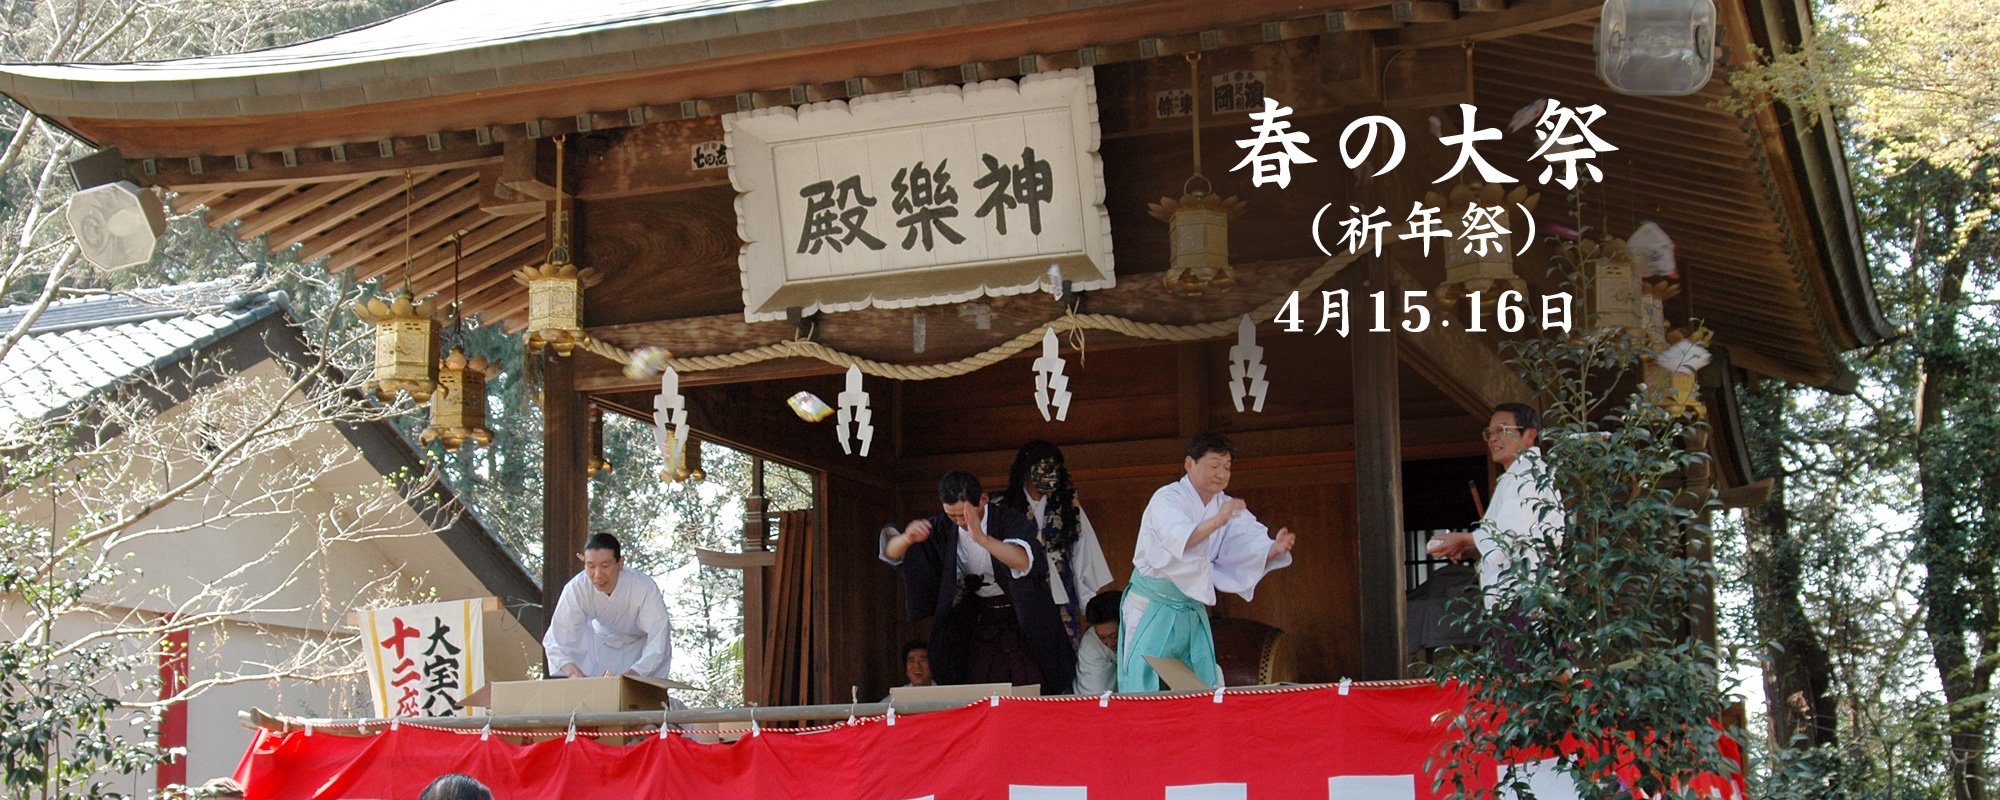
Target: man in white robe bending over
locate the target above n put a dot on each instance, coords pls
(1193, 541)
(611, 620)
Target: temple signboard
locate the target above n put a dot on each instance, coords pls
(926, 197)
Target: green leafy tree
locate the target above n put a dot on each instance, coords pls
(1916, 87)
(1589, 654)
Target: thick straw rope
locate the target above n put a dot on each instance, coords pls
(802, 348)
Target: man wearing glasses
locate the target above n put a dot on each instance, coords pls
(1524, 503)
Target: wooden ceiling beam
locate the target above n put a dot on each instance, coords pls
(428, 235)
(298, 205)
(321, 220)
(1522, 17)
(241, 204)
(422, 220)
(386, 212)
(497, 301)
(316, 165)
(477, 273)
(508, 234)
(428, 252)
(188, 201)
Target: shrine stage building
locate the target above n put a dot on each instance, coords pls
(667, 112)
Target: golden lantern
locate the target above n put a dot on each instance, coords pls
(406, 331)
(1613, 304)
(405, 346)
(594, 459)
(1475, 212)
(458, 409)
(1197, 222)
(1198, 238)
(555, 289)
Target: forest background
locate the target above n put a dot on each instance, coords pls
(1862, 603)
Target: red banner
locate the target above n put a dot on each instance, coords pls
(1367, 744)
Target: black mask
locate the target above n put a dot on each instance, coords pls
(1045, 474)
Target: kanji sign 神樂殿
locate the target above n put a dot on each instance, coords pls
(925, 197)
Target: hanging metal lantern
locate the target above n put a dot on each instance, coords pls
(1475, 211)
(555, 289)
(1197, 222)
(594, 462)
(458, 409)
(1612, 306)
(406, 334)
(1198, 238)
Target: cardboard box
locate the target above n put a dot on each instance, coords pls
(579, 695)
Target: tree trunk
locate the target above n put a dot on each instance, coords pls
(1949, 616)
(1798, 674)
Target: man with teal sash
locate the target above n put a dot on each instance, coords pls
(1194, 540)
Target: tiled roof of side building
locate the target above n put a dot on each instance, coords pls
(82, 346)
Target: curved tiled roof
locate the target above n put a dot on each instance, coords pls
(86, 345)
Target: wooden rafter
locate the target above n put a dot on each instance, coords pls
(296, 206)
(390, 210)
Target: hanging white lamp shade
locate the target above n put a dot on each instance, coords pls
(1663, 47)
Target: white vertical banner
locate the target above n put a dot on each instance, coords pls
(423, 660)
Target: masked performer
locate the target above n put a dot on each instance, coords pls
(1039, 487)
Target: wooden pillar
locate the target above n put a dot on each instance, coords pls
(755, 534)
(1378, 484)
(565, 483)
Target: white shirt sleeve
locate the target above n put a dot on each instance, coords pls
(1086, 561)
(1523, 505)
(564, 642)
(1243, 555)
(1096, 666)
(658, 655)
(1018, 573)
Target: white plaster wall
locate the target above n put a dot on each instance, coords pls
(313, 590)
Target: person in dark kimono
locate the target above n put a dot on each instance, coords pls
(1039, 487)
(979, 568)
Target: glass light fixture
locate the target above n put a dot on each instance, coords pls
(1662, 47)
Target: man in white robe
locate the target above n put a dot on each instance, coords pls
(1194, 541)
(1097, 654)
(611, 620)
(1525, 506)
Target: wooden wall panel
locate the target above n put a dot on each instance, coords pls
(1118, 395)
(865, 621)
(1315, 600)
